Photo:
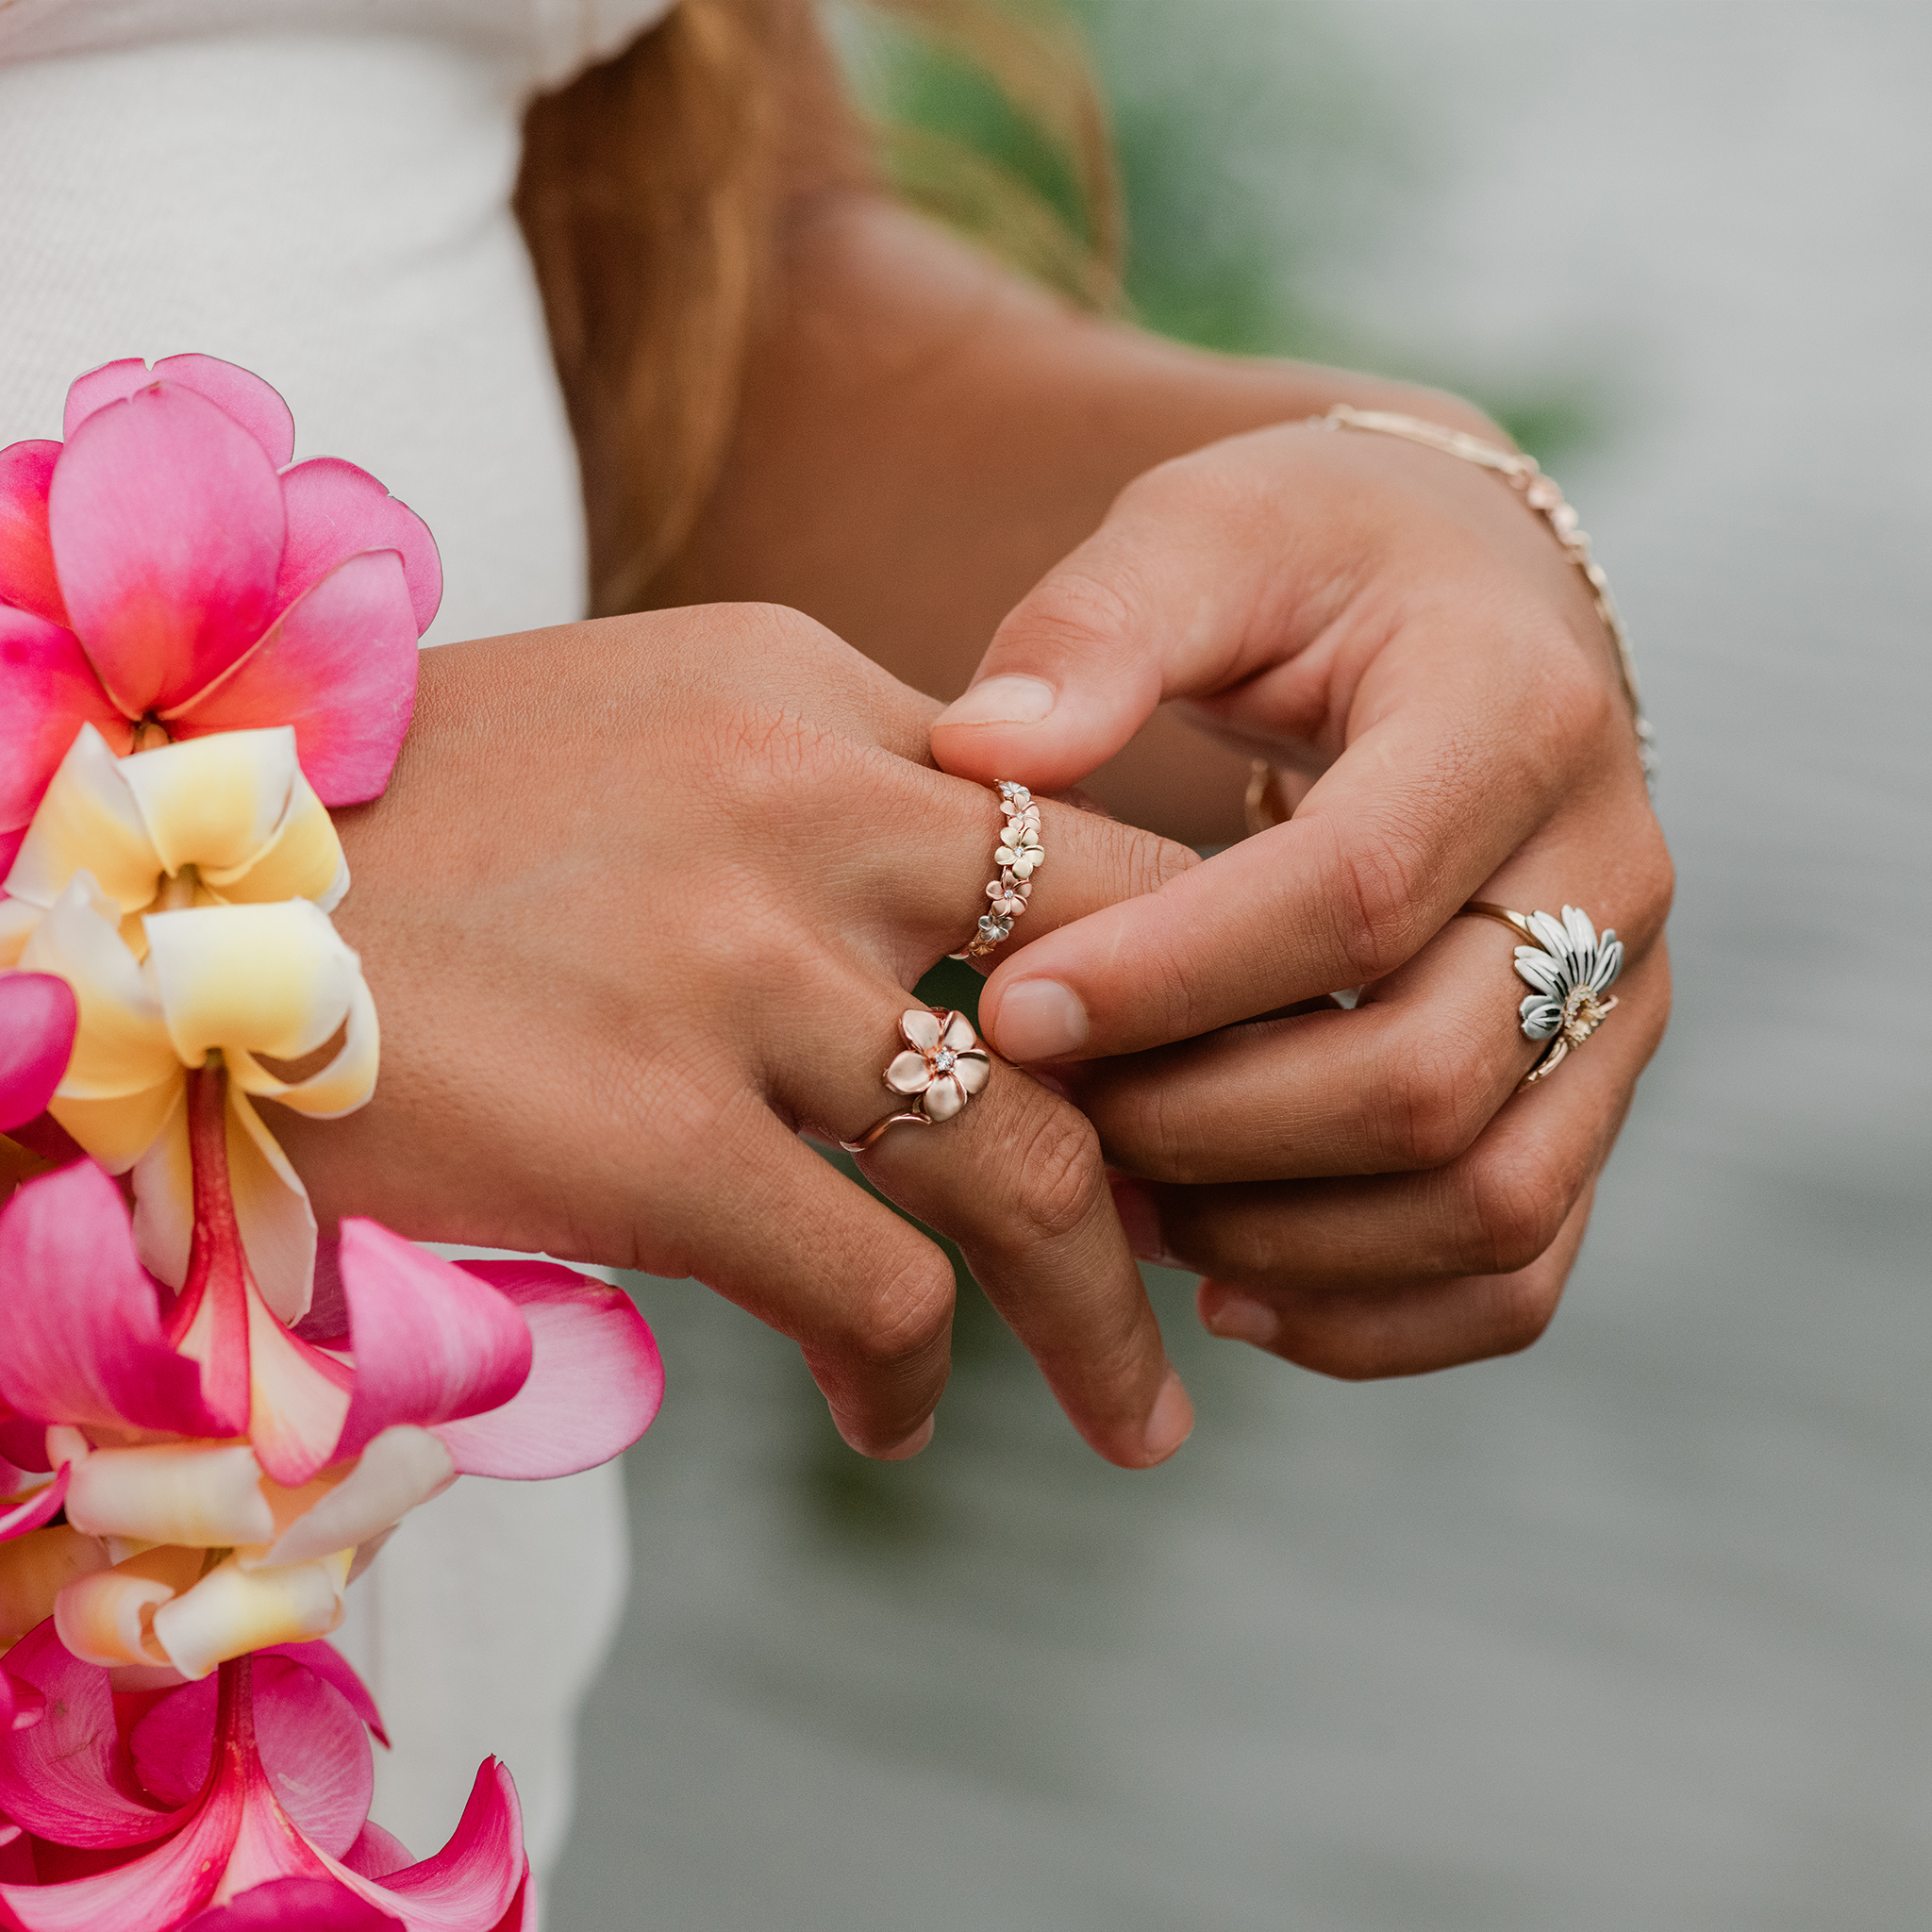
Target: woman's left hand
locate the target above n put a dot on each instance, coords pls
(1360, 1189)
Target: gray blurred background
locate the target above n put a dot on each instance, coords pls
(1634, 1630)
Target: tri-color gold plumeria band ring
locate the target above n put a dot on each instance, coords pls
(1569, 967)
(1017, 854)
(943, 1065)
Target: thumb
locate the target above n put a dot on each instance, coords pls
(1153, 606)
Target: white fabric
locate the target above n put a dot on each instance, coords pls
(318, 190)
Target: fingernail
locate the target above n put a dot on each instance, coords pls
(911, 1445)
(1133, 1201)
(1040, 1020)
(1001, 700)
(1235, 1318)
(1171, 1422)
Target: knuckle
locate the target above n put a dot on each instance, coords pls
(1512, 1207)
(1524, 1310)
(906, 1309)
(1076, 607)
(1060, 1179)
(1426, 1112)
(1373, 901)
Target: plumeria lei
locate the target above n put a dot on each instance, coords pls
(208, 1418)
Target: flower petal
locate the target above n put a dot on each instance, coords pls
(1551, 934)
(48, 691)
(433, 1342)
(908, 1073)
(38, 1014)
(334, 511)
(233, 1610)
(1536, 968)
(943, 1098)
(64, 1779)
(87, 821)
(921, 1028)
(163, 1179)
(167, 527)
(595, 1380)
(332, 1667)
(311, 1743)
(1541, 1017)
(28, 581)
(1609, 962)
(339, 1088)
(958, 1034)
(239, 392)
(972, 1071)
(270, 979)
(82, 1321)
(122, 1046)
(272, 1211)
(400, 1468)
(296, 1905)
(378, 1853)
(36, 1509)
(102, 1619)
(20, 1707)
(339, 665)
(205, 1493)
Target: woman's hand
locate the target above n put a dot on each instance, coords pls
(1360, 1189)
(641, 903)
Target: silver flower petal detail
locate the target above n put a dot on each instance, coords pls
(1570, 974)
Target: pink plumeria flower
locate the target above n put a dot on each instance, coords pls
(236, 1807)
(202, 1423)
(167, 573)
(944, 1064)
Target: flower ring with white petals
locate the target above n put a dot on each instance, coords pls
(1571, 968)
(945, 1065)
(1019, 854)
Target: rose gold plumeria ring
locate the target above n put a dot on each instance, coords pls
(943, 1064)
(1017, 856)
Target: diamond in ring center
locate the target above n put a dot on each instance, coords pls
(943, 1060)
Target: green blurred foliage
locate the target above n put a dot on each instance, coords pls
(1262, 149)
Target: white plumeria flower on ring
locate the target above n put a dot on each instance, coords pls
(1020, 848)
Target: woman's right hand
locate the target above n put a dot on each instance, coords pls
(642, 903)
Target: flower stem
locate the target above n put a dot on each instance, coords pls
(210, 1319)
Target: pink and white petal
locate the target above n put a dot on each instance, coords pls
(399, 1470)
(476, 1878)
(272, 1209)
(65, 1779)
(38, 1014)
(378, 1853)
(121, 1133)
(333, 1668)
(275, 979)
(334, 511)
(296, 1905)
(17, 922)
(972, 1071)
(943, 1098)
(167, 525)
(122, 1046)
(338, 1089)
(298, 1398)
(311, 1743)
(908, 1073)
(39, 1508)
(82, 1321)
(339, 665)
(433, 1342)
(102, 1619)
(87, 821)
(27, 553)
(164, 1188)
(958, 1034)
(252, 403)
(48, 691)
(921, 1028)
(596, 1383)
(233, 1610)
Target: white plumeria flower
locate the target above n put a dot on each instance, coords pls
(1571, 971)
(946, 1065)
(255, 983)
(1019, 849)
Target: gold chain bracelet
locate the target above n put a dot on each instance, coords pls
(1541, 493)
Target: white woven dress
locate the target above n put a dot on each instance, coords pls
(320, 190)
